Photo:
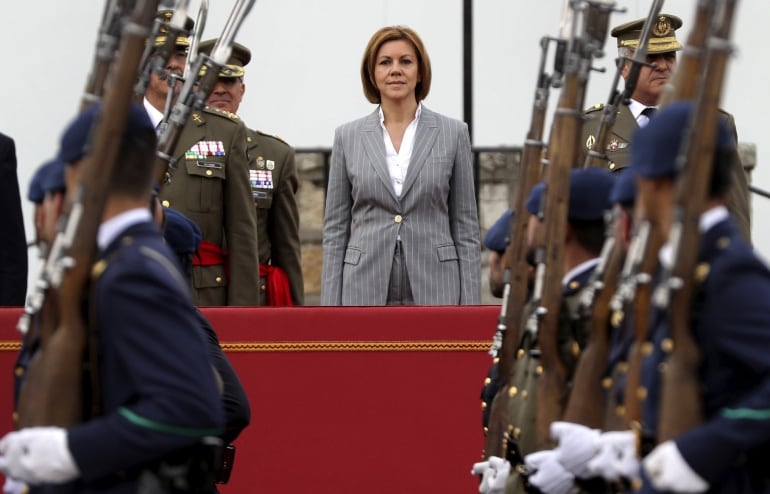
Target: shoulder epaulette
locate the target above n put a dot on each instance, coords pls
(222, 113)
(271, 135)
(593, 108)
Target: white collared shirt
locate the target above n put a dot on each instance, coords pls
(636, 110)
(705, 223)
(579, 269)
(398, 162)
(110, 229)
(155, 115)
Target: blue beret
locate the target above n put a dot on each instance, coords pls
(589, 194)
(35, 193)
(53, 180)
(497, 235)
(656, 145)
(535, 199)
(76, 138)
(624, 191)
(181, 233)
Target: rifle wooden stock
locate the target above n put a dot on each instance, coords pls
(53, 390)
(639, 311)
(684, 82)
(564, 153)
(586, 400)
(517, 268)
(681, 406)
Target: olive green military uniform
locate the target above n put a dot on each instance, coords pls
(522, 390)
(274, 185)
(211, 187)
(619, 153)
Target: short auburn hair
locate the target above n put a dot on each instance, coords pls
(382, 36)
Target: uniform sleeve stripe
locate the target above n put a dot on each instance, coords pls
(168, 429)
(746, 413)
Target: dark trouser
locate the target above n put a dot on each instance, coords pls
(399, 290)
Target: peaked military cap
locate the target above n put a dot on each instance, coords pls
(77, 136)
(662, 36)
(497, 236)
(624, 190)
(181, 233)
(657, 144)
(589, 194)
(182, 40)
(240, 56)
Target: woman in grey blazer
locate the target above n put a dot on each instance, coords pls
(401, 225)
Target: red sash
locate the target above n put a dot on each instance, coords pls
(210, 254)
(277, 285)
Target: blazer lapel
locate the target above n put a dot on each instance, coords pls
(425, 137)
(375, 149)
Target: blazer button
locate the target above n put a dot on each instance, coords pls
(398, 218)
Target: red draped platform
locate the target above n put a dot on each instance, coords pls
(375, 400)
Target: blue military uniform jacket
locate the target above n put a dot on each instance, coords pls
(731, 323)
(159, 393)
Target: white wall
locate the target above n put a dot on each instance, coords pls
(304, 77)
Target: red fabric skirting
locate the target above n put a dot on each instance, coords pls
(376, 400)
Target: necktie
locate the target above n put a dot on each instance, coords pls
(648, 112)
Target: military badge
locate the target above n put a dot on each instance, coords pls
(590, 142)
(205, 149)
(260, 179)
(270, 165)
(613, 145)
(260, 162)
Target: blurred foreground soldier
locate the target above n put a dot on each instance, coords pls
(211, 187)
(730, 316)
(496, 240)
(13, 247)
(159, 393)
(661, 51)
(274, 183)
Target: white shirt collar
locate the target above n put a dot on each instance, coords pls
(110, 229)
(706, 222)
(155, 115)
(578, 270)
(382, 115)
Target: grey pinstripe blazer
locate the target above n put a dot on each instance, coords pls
(435, 216)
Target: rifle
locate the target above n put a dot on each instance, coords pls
(635, 292)
(597, 155)
(52, 392)
(564, 149)
(107, 41)
(681, 407)
(516, 274)
(194, 92)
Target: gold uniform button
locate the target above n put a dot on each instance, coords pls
(539, 370)
(520, 353)
(612, 165)
(262, 288)
(667, 345)
(19, 371)
(512, 391)
(209, 173)
(487, 381)
(398, 218)
(218, 279)
(524, 394)
(647, 349)
(516, 432)
(607, 383)
(620, 411)
(641, 393)
(622, 367)
(15, 417)
(574, 284)
(483, 405)
(166, 204)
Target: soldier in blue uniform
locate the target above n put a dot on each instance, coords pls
(159, 394)
(730, 316)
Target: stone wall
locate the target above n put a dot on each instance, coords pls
(497, 171)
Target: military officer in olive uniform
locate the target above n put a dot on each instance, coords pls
(211, 187)
(274, 185)
(661, 50)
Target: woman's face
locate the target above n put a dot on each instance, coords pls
(396, 70)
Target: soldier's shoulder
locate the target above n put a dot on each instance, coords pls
(221, 114)
(271, 138)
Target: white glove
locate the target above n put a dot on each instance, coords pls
(12, 486)
(577, 445)
(494, 474)
(550, 476)
(37, 455)
(616, 456)
(668, 471)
